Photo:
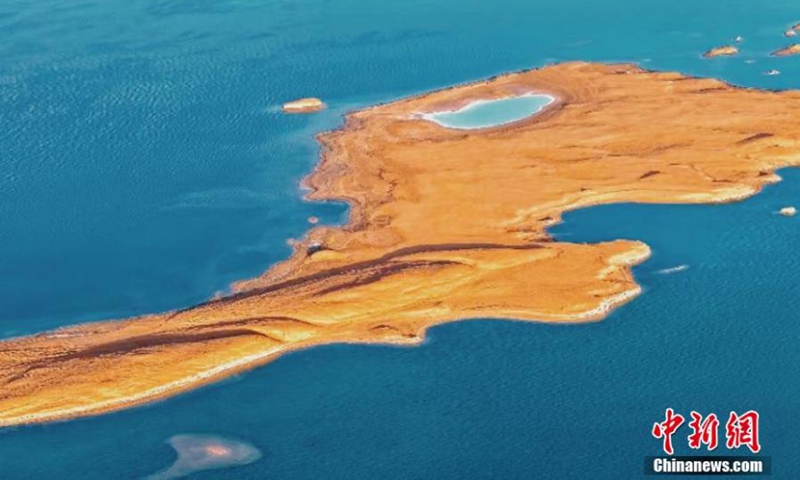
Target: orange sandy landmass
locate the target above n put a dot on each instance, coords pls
(445, 225)
(727, 50)
(790, 50)
(304, 105)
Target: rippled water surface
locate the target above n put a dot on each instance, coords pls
(144, 165)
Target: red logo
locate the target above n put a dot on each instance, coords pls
(743, 430)
(740, 430)
(667, 428)
(703, 431)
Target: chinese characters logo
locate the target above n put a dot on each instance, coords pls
(740, 431)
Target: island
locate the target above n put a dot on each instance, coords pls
(304, 105)
(785, 52)
(723, 51)
(445, 224)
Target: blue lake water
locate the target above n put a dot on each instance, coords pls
(491, 113)
(144, 165)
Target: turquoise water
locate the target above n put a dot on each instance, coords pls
(491, 113)
(144, 165)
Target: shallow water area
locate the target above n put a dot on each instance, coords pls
(491, 113)
(205, 452)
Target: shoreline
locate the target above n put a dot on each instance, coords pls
(251, 362)
(483, 265)
(261, 359)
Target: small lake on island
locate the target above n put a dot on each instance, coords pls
(491, 113)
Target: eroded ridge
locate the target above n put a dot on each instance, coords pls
(445, 225)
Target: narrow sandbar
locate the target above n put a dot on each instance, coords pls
(304, 105)
(724, 51)
(787, 51)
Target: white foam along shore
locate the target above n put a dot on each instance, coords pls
(431, 116)
(604, 308)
